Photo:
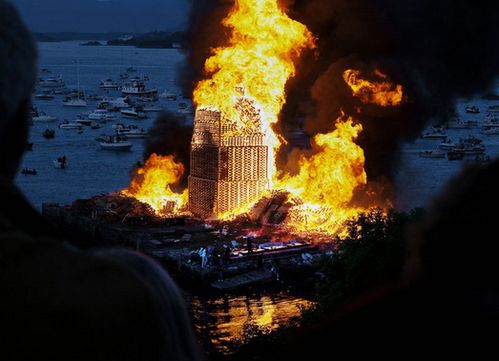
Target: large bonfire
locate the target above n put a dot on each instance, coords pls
(258, 61)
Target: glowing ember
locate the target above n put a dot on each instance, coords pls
(381, 93)
(152, 184)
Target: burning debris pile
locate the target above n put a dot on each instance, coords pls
(116, 208)
(234, 166)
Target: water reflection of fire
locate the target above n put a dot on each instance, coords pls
(237, 104)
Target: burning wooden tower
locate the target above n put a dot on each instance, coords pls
(229, 161)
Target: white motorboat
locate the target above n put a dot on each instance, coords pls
(83, 121)
(101, 115)
(109, 84)
(70, 125)
(43, 118)
(137, 88)
(168, 96)
(119, 103)
(44, 96)
(434, 133)
(432, 154)
(461, 124)
(471, 149)
(447, 144)
(51, 83)
(493, 108)
(472, 109)
(134, 113)
(152, 109)
(132, 133)
(116, 143)
(490, 130)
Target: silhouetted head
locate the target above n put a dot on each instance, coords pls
(17, 79)
(175, 334)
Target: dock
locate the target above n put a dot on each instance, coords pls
(246, 279)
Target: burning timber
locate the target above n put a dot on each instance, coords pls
(229, 166)
(224, 255)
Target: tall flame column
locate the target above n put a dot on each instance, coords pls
(229, 167)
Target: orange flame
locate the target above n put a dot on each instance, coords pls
(246, 82)
(152, 184)
(326, 182)
(381, 93)
(255, 65)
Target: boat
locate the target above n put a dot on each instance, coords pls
(471, 140)
(431, 154)
(116, 143)
(132, 133)
(491, 121)
(153, 109)
(455, 155)
(148, 99)
(101, 115)
(83, 121)
(137, 88)
(134, 113)
(472, 109)
(470, 148)
(109, 84)
(61, 162)
(29, 171)
(493, 108)
(70, 125)
(131, 69)
(168, 96)
(78, 100)
(118, 103)
(489, 130)
(461, 124)
(49, 133)
(51, 83)
(43, 118)
(44, 96)
(74, 102)
(435, 133)
(447, 144)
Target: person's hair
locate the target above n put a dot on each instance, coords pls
(176, 328)
(18, 71)
(18, 68)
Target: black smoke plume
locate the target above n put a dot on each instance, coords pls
(439, 51)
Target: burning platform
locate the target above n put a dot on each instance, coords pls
(218, 253)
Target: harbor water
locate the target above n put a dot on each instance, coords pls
(92, 171)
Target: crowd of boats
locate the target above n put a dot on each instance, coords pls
(464, 147)
(134, 100)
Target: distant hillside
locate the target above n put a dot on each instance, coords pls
(157, 39)
(44, 38)
(72, 36)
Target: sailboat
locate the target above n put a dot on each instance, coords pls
(76, 102)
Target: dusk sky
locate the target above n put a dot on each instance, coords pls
(103, 15)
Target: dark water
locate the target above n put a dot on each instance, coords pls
(92, 171)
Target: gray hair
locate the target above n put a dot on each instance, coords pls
(18, 67)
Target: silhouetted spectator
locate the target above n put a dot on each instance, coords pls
(58, 302)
